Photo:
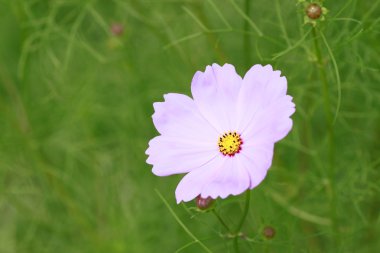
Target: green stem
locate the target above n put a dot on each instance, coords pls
(181, 223)
(242, 220)
(330, 128)
(323, 76)
(221, 220)
(246, 36)
(327, 104)
(236, 245)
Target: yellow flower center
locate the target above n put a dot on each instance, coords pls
(230, 143)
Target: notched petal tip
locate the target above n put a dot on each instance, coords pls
(167, 95)
(156, 105)
(159, 172)
(268, 67)
(179, 197)
(216, 65)
(196, 77)
(225, 66)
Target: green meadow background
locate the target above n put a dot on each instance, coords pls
(75, 120)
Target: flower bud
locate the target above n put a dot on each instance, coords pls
(269, 232)
(313, 11)
(117, 29)
(204, 203)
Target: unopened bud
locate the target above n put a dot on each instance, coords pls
(269, 232)
(117, 29)
(204, 203)
(313, 11)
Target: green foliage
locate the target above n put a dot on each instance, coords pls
(75, 120)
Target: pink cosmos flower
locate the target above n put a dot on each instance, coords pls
(223, 138)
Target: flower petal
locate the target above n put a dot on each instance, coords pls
(179, 116)
(187, 141)
(192, 183)
(172, 155)
(273, 122)
(263, 103)
(256, 159)
(215, 92)
(220, 177)
(229, 179)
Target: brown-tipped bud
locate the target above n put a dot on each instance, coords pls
(269, 232)
(117, 29)
(204, 203)
(313, 11)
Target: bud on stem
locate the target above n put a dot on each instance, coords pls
(204, 203)
(269, 232)
(313, 11)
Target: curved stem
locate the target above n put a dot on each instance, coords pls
(181, 223)
(221, 220)
(246, 208)
(242, 220)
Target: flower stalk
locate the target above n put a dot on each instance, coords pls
(323, 78)
(221, 220)
(330, 133)
(246, 36)
(242, 220)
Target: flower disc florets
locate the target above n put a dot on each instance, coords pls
(230, 143)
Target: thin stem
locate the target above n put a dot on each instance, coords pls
(336, 74)
(236, 245)
(246, 18)
(330, 128)
(242, 220)
(181, 223)
(246, 36)
(322, 75)
(221, 220)
(245, 213)
(282, 25)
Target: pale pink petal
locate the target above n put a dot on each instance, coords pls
(173, 155)
(187, 141)
(222, 177)
(264, 105)
(216, 92)
(256, 159)
(229, 179)
(179, 116)
(192, 183)
(272, 123)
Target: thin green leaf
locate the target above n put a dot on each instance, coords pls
(181, 223)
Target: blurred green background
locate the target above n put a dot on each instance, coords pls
(77, 83)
